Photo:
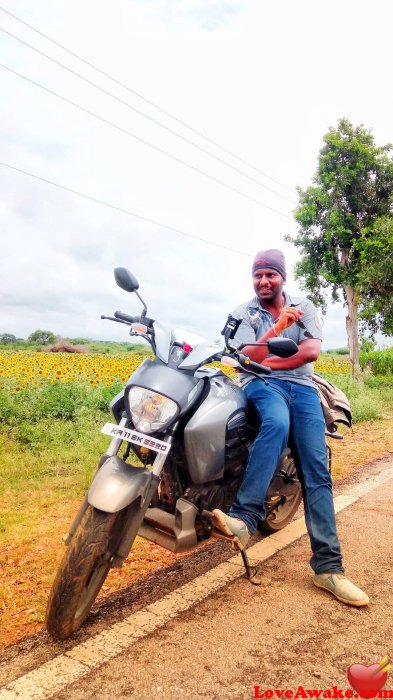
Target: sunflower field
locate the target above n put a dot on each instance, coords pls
(26, 369)
(46, 385)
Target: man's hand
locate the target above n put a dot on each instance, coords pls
(288, 316)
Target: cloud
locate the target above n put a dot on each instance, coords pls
(203, 14)
(235, 70)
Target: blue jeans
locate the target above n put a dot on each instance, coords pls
(279, 405)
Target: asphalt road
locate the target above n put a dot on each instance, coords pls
(281, 635)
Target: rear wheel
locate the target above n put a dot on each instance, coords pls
(83, 571)
(283, 497)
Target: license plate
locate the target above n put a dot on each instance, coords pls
(136, 438)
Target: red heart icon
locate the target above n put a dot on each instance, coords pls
(366, 680)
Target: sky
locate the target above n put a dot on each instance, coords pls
(264, 81)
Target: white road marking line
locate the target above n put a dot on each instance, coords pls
(53, 676)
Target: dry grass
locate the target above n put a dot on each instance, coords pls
(27, 569)
(362, 444)
(28, 561)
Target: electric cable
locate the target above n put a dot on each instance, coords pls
(146, 143)
(153, 104)
(147, 116)
(125, 211)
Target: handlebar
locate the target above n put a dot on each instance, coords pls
(111, 318)
(125, 317)
(121, 317)
(245, 362)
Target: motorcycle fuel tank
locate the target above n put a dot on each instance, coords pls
(205, 432)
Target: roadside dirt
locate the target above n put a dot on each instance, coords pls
(26, 570)
(285, 634)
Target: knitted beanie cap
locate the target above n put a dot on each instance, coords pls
(273, 259)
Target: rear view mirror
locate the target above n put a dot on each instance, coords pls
(282, 347)
(125, 279)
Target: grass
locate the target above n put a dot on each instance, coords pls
(370, 400)
(48, 464)
(379, 362)
(50, 443)
(50, 440)
(102, 347)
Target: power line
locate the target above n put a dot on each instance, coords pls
(125, 211)
(153, 104)
(146, 143)
(147, 116)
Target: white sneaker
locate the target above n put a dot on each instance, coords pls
(231, 526)
(341, 587)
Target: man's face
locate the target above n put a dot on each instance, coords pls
(268, 284)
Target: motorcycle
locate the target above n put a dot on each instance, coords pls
(188, 430)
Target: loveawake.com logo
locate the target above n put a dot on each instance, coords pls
(367, 681)
(334, 693)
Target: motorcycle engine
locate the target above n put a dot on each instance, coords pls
(222, 493)
(215, 495)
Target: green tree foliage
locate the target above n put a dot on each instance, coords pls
(42, 337)
(376, 276)
(367, 343)
(7, 338)
(345, 225)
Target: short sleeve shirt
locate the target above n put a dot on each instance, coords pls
(256, 321)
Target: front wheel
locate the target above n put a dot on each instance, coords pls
(83, 571)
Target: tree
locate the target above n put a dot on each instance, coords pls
(345, 221)
(7, 338)
(376, 277)
(42, 337)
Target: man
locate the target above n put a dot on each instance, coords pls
(287, 398)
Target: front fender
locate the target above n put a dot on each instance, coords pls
(117, 484)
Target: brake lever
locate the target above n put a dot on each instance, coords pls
(118, 320)
(246, 363)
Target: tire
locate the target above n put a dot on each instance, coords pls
(282, 486)
(83, 571)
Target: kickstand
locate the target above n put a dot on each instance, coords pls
(246, 563)
(251, 572)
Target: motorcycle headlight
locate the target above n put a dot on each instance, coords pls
(149, 410)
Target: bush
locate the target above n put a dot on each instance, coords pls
(7, 338)
(369, 400)
(42, 337)
(338, 351)
(379, 361)
(62, 400)
(41, 417)
(379, 381)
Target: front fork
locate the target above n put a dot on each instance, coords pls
(112, 451)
